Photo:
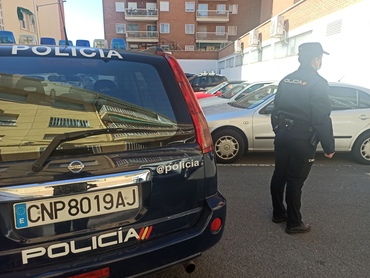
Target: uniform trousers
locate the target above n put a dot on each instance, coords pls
(294, 156)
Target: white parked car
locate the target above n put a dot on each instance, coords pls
(233, 94)
(244, 125)
(52, 83)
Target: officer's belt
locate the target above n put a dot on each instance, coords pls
(293, 125)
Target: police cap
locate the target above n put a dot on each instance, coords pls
(311, 49)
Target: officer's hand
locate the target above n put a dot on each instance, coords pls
(330, 155)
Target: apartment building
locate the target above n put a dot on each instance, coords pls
(205, 25)
(247, 39)
(33, 19)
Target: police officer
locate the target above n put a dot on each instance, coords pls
(301, 119)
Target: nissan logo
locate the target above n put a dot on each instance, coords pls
(75, 166)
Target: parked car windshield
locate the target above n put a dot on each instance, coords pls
(233, 91)
(253, 99)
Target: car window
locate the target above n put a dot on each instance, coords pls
(227, 88)
(363, 99)
(234, 90)
(343, 98)
(256, 97)
(216, 88)
(124, 95)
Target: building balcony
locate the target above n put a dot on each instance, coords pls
(141, 15)
(211, 37)
(142, 36)
(212, 16)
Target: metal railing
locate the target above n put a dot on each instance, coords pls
(142, 34)
(211, 36)
(213, 15)
(147, 13)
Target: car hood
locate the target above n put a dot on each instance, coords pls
(224, 112)
(212, 101)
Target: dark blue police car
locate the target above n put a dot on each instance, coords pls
(116, 180)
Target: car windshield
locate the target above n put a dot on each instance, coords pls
(216, 88)
(234, 90)
(253, 99)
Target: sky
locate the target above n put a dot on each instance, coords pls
(84, 20)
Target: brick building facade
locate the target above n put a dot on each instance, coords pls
(180, 25)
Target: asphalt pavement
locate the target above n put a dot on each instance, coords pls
(335, 203)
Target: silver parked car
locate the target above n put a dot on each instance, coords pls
(244, 125)
(233, 94)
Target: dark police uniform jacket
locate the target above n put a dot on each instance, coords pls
(303, 97)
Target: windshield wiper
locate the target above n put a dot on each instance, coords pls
(39, 164)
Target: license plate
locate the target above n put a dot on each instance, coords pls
(67, 208)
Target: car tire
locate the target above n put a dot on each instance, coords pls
(361, 149)
(229, 145)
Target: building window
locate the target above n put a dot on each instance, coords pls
(220, 30)
(164, 6)
(238, 60)
(189, 47)
(23, 23)
(230, 62)
(120, 7)
(133, 27)
(67, 122)
(120, 28)
(189, 28)
(233, 8)
(32, 23)
(221, 64)
(189, 7)
(246, 58)
(26, 19)
(254, 56)
(165, 28)
(267, 53)
(8, 120)
(232, 30)
(131, 6)
(221, 8)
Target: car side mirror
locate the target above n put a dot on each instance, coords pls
(218, 93)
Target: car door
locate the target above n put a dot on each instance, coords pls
(350, 114)
(263, 136)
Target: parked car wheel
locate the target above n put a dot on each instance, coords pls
(361, 149)
(229, 145)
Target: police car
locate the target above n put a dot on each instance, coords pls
(117, 180)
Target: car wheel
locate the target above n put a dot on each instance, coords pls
(361, 149)
(229, 145)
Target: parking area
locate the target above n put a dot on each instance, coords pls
(335, 203)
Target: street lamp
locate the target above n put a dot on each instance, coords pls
(61, 15)
(48, 4)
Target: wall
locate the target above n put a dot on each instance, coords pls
(43, 18)
(198, 66)
(341, 31)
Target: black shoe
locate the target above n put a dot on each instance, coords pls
(280, 219)
(303, 228)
